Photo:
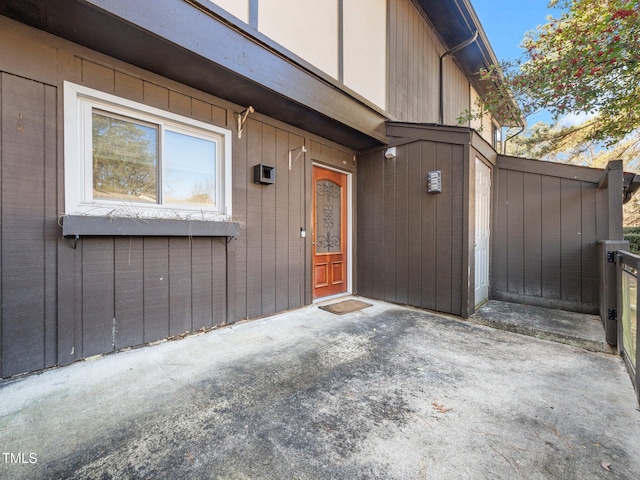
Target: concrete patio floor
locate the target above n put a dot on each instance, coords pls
(386, 392)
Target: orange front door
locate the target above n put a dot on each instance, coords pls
(329, 242)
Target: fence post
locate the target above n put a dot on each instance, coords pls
(613, 180)
(609, 279)
(619, 297)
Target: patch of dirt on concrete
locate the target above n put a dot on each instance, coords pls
(306, 410)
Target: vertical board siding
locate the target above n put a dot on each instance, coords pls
(254, 220)
(401, 229)
(296, 213)
(202, 278)
(63, 300)
(388, 247)
(411, 252)
(281, 223)
(377, 185)
(139, 290)
(274, 266)
(129, 291)
(499, 244)
(180, 298)
(429, 229)
(268, 230)
(415, 191)
(237, 251)
(97, 297)
(152, 288)
(413, 70)
(392, 74)
(545, 236)
(51, 232)
(551, 238)
(180, 284)
(458, 248)
(367, 243)
(456, 92)
(532, 264)
(571, 234)
(25, 247)
(156, 288)
(444, 243)
(515, 233)
(590, 289)
(219, 281)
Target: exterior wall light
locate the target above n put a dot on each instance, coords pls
(434, 181)
(390, 153)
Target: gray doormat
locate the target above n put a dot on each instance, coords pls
(346, 306)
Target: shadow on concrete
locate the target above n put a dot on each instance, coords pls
(386, 392)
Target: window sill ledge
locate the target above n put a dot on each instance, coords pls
(85, 225)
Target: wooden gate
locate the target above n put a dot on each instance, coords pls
(483, 231)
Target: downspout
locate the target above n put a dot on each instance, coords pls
(453, 50)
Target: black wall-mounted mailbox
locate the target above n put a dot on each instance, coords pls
(264, 174)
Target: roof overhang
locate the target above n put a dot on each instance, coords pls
(631, 185)
(401, 133)
(455, 21)
(199, 48)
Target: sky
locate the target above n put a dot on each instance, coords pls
(506, 21)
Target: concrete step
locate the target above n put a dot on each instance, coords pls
(570, 328)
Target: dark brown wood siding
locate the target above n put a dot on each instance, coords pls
(28, 192)
(268, 256)
(414, 70)
(132, 290)
(410, 241)
(546, 228)
(456, 92)
(62, 299)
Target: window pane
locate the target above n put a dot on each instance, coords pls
(125, 158)
(189, 169)
(328, 215)
(629, 314)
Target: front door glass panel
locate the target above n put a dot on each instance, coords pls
(328, 217)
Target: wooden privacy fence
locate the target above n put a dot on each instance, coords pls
(548, 221)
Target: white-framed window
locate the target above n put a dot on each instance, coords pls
(126, 159)
(497, 137)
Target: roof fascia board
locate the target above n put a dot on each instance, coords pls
(170, 19)
(551, 169)
(178, 41)
(401, 132)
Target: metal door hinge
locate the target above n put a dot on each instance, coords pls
(611, 257)
(612, 314)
